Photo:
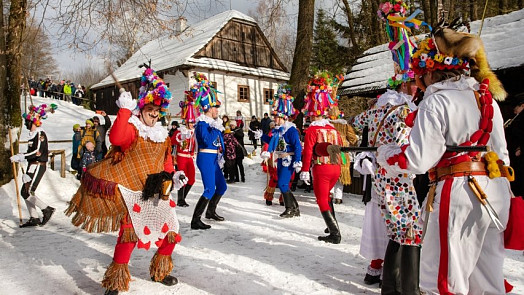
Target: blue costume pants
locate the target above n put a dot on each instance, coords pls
(212, 176)
(284, 176)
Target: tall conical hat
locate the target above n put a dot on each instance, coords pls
(189, 113)
(321, 94)
(39, 113)
(282, 104)
(153, 90)
(204, 93)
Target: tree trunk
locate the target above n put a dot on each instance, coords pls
(376, 25)
(302, 57)
(433, 11)
(503, 6)
(452, 11)
(427, 12)
(473, 10)
(349, 16)
(10, 94)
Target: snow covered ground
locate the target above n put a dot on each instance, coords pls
(253, 252)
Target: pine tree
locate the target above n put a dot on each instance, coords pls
(327, 53)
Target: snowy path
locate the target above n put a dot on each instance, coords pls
(253, 252)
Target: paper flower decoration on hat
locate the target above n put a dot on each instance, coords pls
(39, 113)
(153, 90)
(282, 104)
(321, 94)
(189, 113)
(204, 92)
(427, 58)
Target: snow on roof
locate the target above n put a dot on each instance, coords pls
(166, 53)
(503, 39)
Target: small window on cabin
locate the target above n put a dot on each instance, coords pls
(243, 93)
(268, 95)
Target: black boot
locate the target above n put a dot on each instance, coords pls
(31, 222)
(332, 211)
(391, 270)
(334, 232)
(211, 209)
(111, 292)
(48, 212)
(182, 194)
(409, 266)
(269, 203)
(196, 223)
(291, 205)
(168, 280)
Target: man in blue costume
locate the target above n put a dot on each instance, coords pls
(208, 133)
(285, 143)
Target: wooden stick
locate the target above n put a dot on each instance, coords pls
(15, 171)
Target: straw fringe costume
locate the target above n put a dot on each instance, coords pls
(110, 198)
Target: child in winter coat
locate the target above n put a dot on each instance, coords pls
(88, 157)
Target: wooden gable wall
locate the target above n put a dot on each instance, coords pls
(243, 43)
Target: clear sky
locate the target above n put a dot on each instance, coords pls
(69, 61)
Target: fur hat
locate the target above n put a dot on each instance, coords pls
(204, 93)
(321, 94)
(282, 104)
(154, 91)
(39, 113)
(76, 126)
(447, 48)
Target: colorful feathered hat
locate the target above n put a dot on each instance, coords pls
(447, 49)
(204, 93)
(39, 113)
(282, 104)
(398, 27)
(321, 94)
(189, 113)
(153, 90)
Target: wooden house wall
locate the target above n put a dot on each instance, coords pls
(243, 43)
(105, 98)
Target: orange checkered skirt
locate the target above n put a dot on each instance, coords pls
(98, 205)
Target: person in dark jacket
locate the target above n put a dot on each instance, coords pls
(36, 156)
(239, 167)
(264, 123)
(254, 126)
(75, 158)
(101, 149)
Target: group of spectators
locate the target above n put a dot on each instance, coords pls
(62, 90)
(89, 143)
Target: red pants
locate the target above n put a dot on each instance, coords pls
(188, 166)
(123, 250)
(324, 178)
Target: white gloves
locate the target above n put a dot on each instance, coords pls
(17, 158)
(179, 179)
(286, 161)
(304, 176)
(385, 152)
(298, 166)
(221, 161)
(26, 178)
(258, 134)
(365, 163)
(265, 155)
(126, 101)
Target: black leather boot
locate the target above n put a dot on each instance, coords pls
(409, 269)
(168, 280)
(291, 205)
(182, 194)
(47, 212)
(334, 232)
(391, 270)
(333, 211)
(211, 209)
(31, 222)
(196, 223)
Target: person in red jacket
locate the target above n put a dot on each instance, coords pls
(326, 170)
(184, 144)
(129, 190)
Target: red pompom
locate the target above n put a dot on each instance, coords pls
(159, 242)
(147, 231)
(178, 238)
(402, 161)
(136, 208)
(392, 160)
(410, 118)
(172, 203)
